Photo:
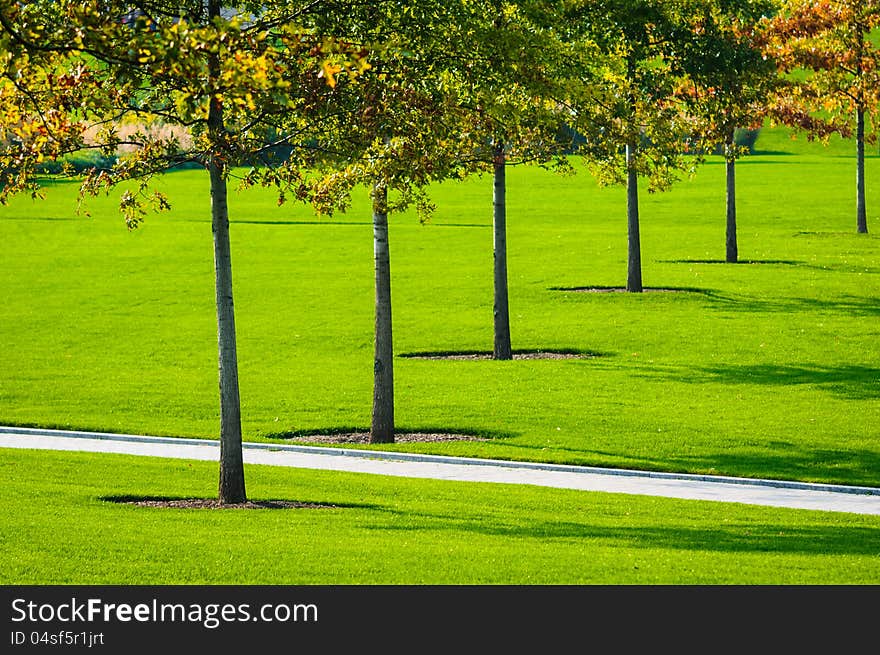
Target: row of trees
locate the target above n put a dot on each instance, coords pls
(317, 98)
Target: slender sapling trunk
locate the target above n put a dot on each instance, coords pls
(634, 259)
(501, 312)
(861, 212)
(231, 489)
(382, 424)
(732, 249)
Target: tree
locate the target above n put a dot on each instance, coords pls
(382, 416)
(828, 53)
(728, 85)
(514, 88)
(393, 132)
(229, 74)
(635, 126)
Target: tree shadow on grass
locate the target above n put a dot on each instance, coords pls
(851, 381)
(741, 262)
(845, 268)
(829, 234)
(857, 467)
(770, 459)
(845, 304)
(829, 267)
(740, 536)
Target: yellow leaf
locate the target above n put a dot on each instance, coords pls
(329, 71)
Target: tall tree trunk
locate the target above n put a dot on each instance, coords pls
(732, 250)
(382, 425)
(861, 213)
(231, 487)
(501, 312)
(634, 259)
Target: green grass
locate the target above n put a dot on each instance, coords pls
(769, 368)
(59, 527)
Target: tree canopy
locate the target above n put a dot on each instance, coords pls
(236, 81)
(828, 58)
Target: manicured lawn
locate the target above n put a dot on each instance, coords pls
(59, 528)
(768, 368)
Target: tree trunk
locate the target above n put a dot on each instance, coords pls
(231, 487)
(861, 214)
(502, 348)
(634, 260)
(382, 425)
(231, 463)
(732, 250)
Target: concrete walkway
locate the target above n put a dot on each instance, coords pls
(799, 495)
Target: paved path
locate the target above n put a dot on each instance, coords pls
(800, 495)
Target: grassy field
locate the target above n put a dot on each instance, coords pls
(395, 531)
(768, 368)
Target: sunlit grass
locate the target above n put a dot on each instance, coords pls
(766, 368)
(61, 526)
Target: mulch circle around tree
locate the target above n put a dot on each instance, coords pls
(621, 290)
(403, 437)
(213, 503)
(521, 355)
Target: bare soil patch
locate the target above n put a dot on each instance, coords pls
(404, 437)
(213, 503)
(519, 355)
(622, 290)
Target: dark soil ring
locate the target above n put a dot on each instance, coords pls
(517, 355)
(213, 503)
(403, 437)
(623, 290)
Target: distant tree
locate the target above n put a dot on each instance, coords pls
(828, 52)
(229, 74)
(635, 127)
(514, 89)
(394, 131)
(728, 83)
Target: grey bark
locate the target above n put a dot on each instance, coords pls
(231, 487)
(382, 423)
(731, 241)
(501, 311)
(634, 248)
(861, 212)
